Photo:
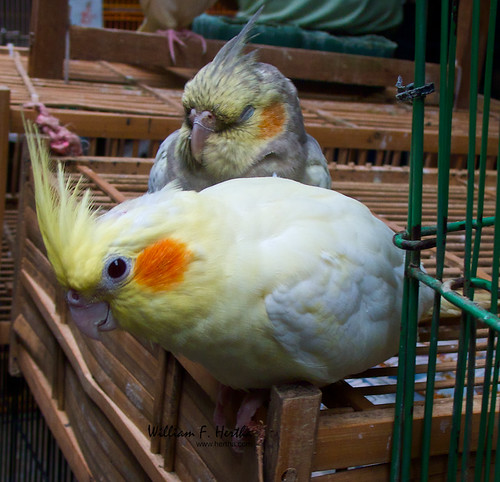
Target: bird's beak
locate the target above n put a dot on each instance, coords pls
(203, 126)
(90, 317)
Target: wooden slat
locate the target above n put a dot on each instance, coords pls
(343, 394)
(350, 440)
(151, 50)
(110, 190)
(49, 22)
(127, 393)
(223, 463)
(382, 138)
(164, 97)
(59, 378)
(4, 332)
(138, 443)
(39, 268)
(107, 454)
(34, 97)
(463, 53)
(379, 473)
(107, 125)
(190, 466)
(376, 473)
(57, 420)
(125, 110)
(171, 399)
(36, 339)
(138, 361)
(209, 384)
(129, 171)
(4, 147)
(292, 422)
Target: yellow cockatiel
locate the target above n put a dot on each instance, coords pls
(261, 280)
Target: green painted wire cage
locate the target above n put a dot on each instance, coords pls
(474, 431)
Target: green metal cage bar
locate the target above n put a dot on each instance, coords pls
(447, 79)
(459, 458)
(484, 449)
(493, 354)
(401, 241)
(467, 344)
(402, 437)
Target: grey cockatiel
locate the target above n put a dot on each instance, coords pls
(242, 119)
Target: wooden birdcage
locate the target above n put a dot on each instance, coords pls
(102, 400)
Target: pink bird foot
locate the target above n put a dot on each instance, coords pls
(224, 398)
(251, 402)
(178, 36)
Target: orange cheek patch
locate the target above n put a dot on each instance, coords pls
(162, 264)
(273, 120)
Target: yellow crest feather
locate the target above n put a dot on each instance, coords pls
(65, 215)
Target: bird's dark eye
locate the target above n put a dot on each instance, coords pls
(246, 113)
(117, 268)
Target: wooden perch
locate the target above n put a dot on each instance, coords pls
(151, 50)
(292, 423)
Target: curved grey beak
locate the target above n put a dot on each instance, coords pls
(203, 126)
(90, 317)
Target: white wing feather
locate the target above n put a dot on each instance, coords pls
(335, 278)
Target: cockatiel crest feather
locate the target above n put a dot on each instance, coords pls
(229, 75)
(65, 215)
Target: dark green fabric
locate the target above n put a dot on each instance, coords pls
(353, 17)
(224, 28)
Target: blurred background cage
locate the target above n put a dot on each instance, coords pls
(473, 438)
(127, 14)
(122, 14)
(15, 22)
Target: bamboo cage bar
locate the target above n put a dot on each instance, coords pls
(348, 131)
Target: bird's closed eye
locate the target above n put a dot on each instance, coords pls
(246, 114)
(187, 115)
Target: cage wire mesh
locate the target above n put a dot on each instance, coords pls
(122, 14)
(474, 431)
(28, 450)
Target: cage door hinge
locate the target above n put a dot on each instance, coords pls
(406, 93)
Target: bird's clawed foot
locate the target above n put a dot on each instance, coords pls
(178, 36)
(245, 424)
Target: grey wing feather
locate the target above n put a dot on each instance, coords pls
(317, 173)
(158, 177)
